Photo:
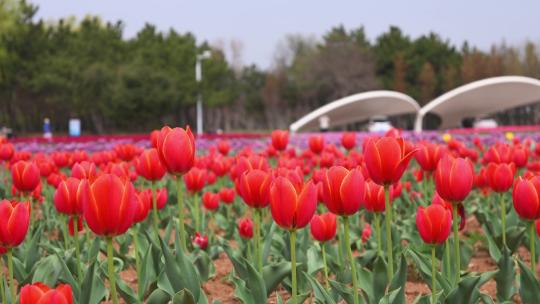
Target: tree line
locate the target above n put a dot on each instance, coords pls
(87, 69)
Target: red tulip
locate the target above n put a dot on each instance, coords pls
(224, 147)
(161, 197)
(6, 151)
(143, 204)
(149, 166)
(46, 167)
(434, 223)
(79, 156)
(39, 293)
(200, 241)
(520, 156)
(25, 176)
(343, 190)
(348, 140)
(109, 205)
(67, 197)
(54, 179)
(210, 201)
(195, 180)
(386, 159)
(84, 170)
(60, 158)
(498, 153)
(254, 187)
(428, 156)
(176, 149)
(292, 208)
(126, 152)
(323, 227)
(227, 195)
(374, 200)
(280, 139)
(526, 198)
(500, 176)
(454, 178)
(366, 233)
(316, 143)
(14, 222)
(221, 166)
(245, 228)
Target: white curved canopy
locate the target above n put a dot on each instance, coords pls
(480, 98)
(357, 107)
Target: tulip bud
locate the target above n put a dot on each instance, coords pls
(323, 227)
(434, 223)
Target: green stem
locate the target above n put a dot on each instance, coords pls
(137, 263)
(456, 242)
(155, 209)
(433, 274)
(388, 218)
(2, 286)
(197, 211)
(65, 220)
(181, 212)
(533, 253)
(340, 246)
(503, 218)
(351, 260)
(110, 263)
(10, 272)
(378, 233)
(326, 281)
(293, 264)
(447, 249)
(77, 247)
(258, 253)
(249, 257)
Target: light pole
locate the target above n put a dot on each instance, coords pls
(198, 77)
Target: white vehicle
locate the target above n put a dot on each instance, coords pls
(379, 124)
(486, 124)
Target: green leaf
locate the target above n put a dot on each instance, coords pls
(158, 296)
(148, 273)
(203, 265)
(67, 276)
(321, 294)
(125, 291)
(180, 272)
(343, 290)
(468, 288)
(392, 297)
(506, 276)
(399, 281)
(268, 241)
(423, 264)
(47, 271)
(494, 250)
(380, 279)
(274, 273)
(184, 297)
(251, 281)
(92, 288)
(32, 250)
(529, 285)
(314, 260)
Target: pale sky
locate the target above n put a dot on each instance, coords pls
(261, 25)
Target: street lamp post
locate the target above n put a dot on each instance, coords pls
(198, 77)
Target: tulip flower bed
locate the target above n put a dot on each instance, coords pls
(316, 218)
